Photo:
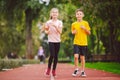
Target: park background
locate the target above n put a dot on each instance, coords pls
(22, 20)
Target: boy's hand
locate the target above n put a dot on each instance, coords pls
(87, 31)
(74, 31)
(82, 27)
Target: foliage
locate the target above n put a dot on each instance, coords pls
(111, 17)
(10, 38)
(20, 18)
(7, 64)
(13, 63)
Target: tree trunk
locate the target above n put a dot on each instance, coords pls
(115, 44)
(28, 34)
(98, 40)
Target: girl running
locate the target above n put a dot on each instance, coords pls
(53, 28)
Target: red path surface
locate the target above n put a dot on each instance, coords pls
(64, 71)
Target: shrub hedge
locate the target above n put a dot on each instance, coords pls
(13, 63)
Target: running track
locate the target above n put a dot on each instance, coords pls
(64, 71)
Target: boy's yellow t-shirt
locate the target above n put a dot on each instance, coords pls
(80, 37)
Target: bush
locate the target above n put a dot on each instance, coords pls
(13, 63)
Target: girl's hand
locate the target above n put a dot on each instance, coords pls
(52, 24)
(47, 31)
(46, 27)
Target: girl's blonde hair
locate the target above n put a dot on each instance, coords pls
(53, 9)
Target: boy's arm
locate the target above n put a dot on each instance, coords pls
(87, 31)
(73, 30)
(86, 28)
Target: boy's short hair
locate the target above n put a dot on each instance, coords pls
(79, 10)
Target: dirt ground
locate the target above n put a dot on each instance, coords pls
(64, 71)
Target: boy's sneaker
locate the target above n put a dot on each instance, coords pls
(47, 72)
(53, 73)
(76, 72)
(83, 74)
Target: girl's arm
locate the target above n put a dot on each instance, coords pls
(46, 28)
(42, 29)
(59, 29)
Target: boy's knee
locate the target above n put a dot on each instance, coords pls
(76, 57)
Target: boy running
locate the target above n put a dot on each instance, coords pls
(80, 29)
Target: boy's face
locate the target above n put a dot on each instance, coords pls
(79, 15)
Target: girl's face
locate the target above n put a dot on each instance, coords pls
(79, 15)
(54, 14)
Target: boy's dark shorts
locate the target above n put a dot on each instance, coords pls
(81, 50)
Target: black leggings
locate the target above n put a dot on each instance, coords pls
(54, 49)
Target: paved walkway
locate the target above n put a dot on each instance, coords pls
(64, 71)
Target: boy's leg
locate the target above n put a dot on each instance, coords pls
(82, 58)
(76, 61)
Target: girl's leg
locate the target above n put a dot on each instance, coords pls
(57, 47)
(51, 48)
(52, 53)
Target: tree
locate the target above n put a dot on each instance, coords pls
(12, 10)
(10, 38)
(111, 17)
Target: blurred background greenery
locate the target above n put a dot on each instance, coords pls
(22, 20)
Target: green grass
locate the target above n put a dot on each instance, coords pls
(106, 66)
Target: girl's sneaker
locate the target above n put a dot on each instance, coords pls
(53, 73)
(47, 72)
